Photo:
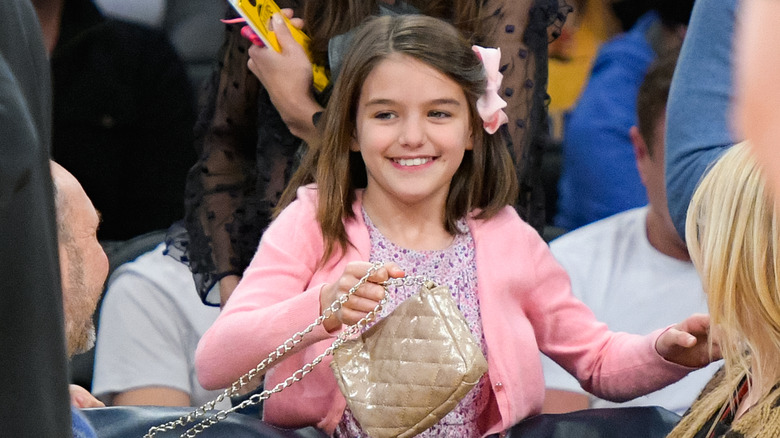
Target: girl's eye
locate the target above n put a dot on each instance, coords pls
(384, 115)
(438, 114)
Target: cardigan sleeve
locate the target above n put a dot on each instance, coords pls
(273, 300)
(528, 294)
(615, 366)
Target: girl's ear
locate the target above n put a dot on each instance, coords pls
(354, 146)
(470, 143)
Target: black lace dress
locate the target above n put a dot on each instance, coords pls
(247, 154)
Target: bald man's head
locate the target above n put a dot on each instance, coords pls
(83, 264)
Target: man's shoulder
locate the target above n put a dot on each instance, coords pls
(154, 275)
(606, 229)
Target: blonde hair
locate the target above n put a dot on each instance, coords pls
(732, 235)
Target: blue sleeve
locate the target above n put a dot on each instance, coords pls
(599, 176)
(697, 118)
(81, 426)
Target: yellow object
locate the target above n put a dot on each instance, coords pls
(258, 14)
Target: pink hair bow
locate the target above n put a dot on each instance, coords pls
(490, 105)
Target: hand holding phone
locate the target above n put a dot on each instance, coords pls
(258, 13)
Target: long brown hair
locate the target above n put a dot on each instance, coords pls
(325, 19)
(485, 179)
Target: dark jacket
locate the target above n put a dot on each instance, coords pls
(34, 379)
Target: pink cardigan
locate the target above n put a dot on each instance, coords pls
(526, 306)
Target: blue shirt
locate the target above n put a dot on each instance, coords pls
(599, 176)
(81, 427)
(697, 114)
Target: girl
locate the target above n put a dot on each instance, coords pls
(249, 134)
(732, 234)
(406, 174)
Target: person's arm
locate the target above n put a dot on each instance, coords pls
(144, 345)
(560, 402)
(246, 156)
(287, 76)
(613, 366)
(153, 396)
(562, 391)
(227, 285)
(278, 295)
(34, 359)
(698, 112)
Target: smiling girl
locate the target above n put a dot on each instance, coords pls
(408, 172)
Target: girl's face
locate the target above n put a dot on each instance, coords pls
(412, 129)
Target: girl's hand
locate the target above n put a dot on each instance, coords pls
(287, 76)
(686, 343)
(363, 300)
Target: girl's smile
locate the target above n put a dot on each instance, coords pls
(409, 162)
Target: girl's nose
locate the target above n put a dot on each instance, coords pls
(413, 134)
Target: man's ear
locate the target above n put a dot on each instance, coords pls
(639, 143)
(641, 153)
(64, 263)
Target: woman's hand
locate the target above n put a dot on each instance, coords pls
(287, 76)
(686, 343)
(365, 298)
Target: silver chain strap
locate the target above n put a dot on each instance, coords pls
(280, 351)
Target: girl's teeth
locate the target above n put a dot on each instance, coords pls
(412, 162)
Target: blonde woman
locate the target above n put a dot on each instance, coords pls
(733, 236)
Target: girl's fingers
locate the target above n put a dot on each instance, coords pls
(365, 302)
(684, 339)
(680, 339)
(350, 317)
(394, 270)
(370, 291)
(368, 295)
(387, 271)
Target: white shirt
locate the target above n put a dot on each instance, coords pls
(150, 322)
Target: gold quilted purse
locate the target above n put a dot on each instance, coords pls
(411, 368)
(400, 377)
